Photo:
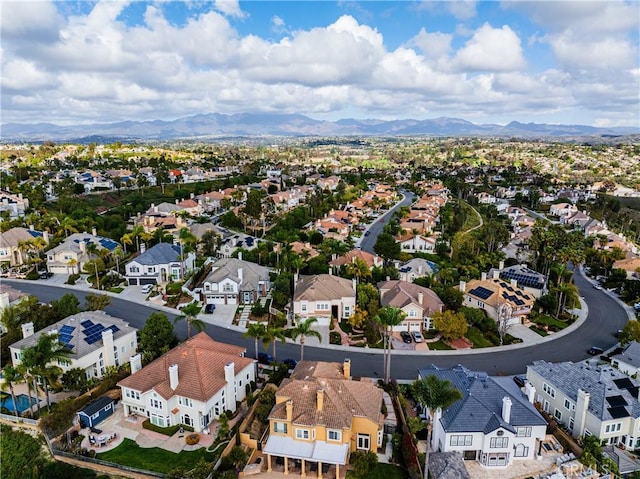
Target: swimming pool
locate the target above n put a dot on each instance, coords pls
(21, 399)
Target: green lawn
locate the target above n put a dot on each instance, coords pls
(439, 345)
(471, 217)
(153, 459)
(479, 341)
(383, 471)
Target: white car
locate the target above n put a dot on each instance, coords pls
(417, 336)
(147, 288)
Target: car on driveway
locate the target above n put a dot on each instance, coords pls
(406, 337)
(265, 358)
(147, 288)
(594, 350)
(417, 336)
(209, 308)
(381, 220)
(520, 380)
(45, 274)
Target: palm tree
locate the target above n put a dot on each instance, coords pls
(11, 377)
(359, 269)
(256, 331)
(434, 394)
(271, 336)
(297, 263)
(190, 313)
(126, 239)
(304, 330)
(69, 225)
(388, 317)
(568, 295)
(26, 372)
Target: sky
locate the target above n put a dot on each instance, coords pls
(79, 62)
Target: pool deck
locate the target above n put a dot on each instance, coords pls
(22, 390)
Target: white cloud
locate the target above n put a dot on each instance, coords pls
(278, 25)
(491, 49)
(577, 52)
(433, 45)
(462, 10)
(230, 8)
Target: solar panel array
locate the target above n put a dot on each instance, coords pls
(93, 332)
(513, 298)
(107, 243)
(66, 335)
(481, 292)
(530, 280)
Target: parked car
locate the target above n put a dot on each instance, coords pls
(265, 358)
(597, 286)
(290, 363)
(45, 274)
(146, 289)
(417, 336)
(367, 233)
(406, 337)
(520, 380)
(594, 350)
(209, 308)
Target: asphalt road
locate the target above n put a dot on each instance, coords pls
(605, 317)
(376, 228)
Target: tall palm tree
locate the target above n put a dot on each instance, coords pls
(12, 376)
(126, 239)
(568, 295)
(434, 394)
(305, 329)
(256, 331)
(190, 313)
(297, 263)
(26, 371)
(388, 317)
(271, 336)
(359, 269)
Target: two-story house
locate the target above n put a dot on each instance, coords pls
(96, 340)
(628, 361)
(70, 256)
(235, 281)
(416, 268)
(193, 384)
(527, 279)
(159, 264)
(494, 423)
(15, 205)
(417, 302)
(18, 244)
(589, 400)
(321, 415)
(324, 296)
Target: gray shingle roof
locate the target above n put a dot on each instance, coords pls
(601, 382)
(252, 273)
(162, 253)
(480, 409)
(631, 355)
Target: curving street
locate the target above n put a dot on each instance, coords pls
(376, 227)
(606, 316)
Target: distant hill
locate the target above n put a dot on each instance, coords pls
(215, 125)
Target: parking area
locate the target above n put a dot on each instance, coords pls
(222, 315)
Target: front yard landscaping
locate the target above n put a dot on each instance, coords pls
(154, 459)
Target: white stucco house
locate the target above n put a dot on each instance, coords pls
(235, 281)
(159, 264)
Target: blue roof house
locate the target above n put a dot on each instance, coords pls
(159, 264)
(96, 411)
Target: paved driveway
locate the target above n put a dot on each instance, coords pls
(222, 316)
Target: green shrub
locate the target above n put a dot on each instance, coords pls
(167, 431)
(72, 279)
(174, 288)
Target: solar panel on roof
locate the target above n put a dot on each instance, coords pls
(615, 401)
(86, 323)
(114, 328)
(618, 412)
(66, 329)
(481, 292)
(623, 383)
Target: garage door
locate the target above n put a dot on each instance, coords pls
(215, 299)
(232, 300)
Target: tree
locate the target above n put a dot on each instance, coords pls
(433, 394)
(96, 302)
(271, 336)
(190, 314)
(503, 322)
(630, 332)
(305, 329)
(11, 377)
(388, 317)
(451, 325)
(368, 298)
(22, 455)
(157, 336)
(363, 463)
(387, 247)
(359, 269)
(358, 318)
(256, 331)
(66, 306)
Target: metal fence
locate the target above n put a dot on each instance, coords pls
(23, 420)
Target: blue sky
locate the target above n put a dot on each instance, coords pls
(487, 62)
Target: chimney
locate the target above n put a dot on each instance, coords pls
(45, 236)
(107, 348)
(289, 408)
(582, 407)
(388, 278)
(530, 392)
(354, 284)
(83, 246)
(346, 368)
(143, 247)
(4, 300)
(240, 273)
(155, 208)
(192, 195)
(94, 232)
(483, 276)
(27, 330)
(420, 298)
(240, 255)
(506, 409)
(496, 275)
(333, 256)
(514, 282)
(230, 373)
(31, 228)
(330, 271)
(501, 265)
(463, 286)
(177, 201)
(173, 376)
(136, 363)
(320, 399)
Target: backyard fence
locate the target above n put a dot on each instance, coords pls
(20, 420)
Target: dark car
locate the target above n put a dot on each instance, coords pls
(406, 337)
(45, 274)
(265, 358)
(367, 233)
(209, 308)
(594, 351)
(520, 380)
(290, 363)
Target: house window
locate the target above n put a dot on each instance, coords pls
(134, 269)
(363, 442)
(549, 390)
(185, 401)
(523, 431)
(571, 424)
(499, 442)
(302, 434)
(567, 404)
(521, 451)
(322, 306)
(334, 435)
(227, 287)
(280, 427)
(557, 414)
(412, 313)
(609, 428)
(347, 311)
(303, 307)
(155, 403)
(587, 432)
(461, 440)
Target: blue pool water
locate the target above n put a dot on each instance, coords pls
(21, 399)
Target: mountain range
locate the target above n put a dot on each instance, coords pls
(214, 125)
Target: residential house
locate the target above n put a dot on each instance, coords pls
(371, 260)
(500, 300)
(416, 268)
(324, 296)
(527, 279)
(589, 399)
(628, 361)
(563, 210)
(235, 281)
(14, 244)
(630, 265)
(485, 198)
(417, 302)
(494, 423)
(212, 201)
(159, 264)
(321, 416)
(302, 249)
(16, 205)
(96, 411)
(96, 340)
(8, 297)
(70, 256)
(193, 384)
(416, 243)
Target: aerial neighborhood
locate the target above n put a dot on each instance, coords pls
(331, 310)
